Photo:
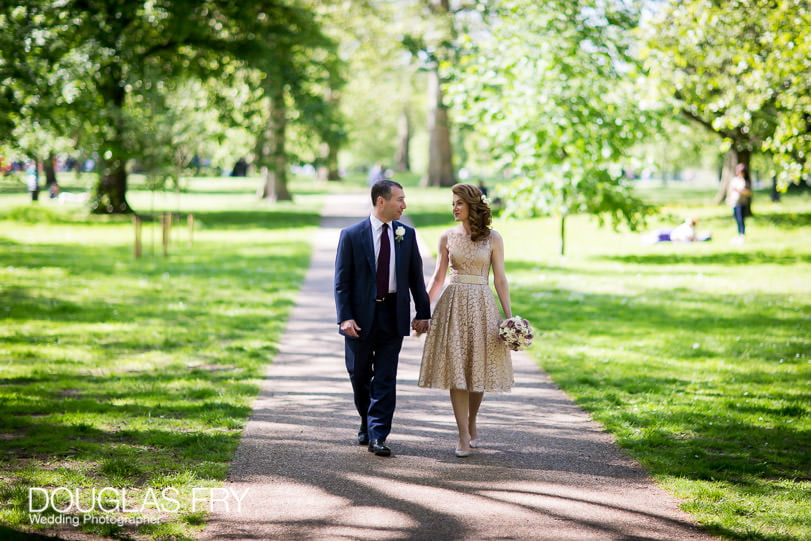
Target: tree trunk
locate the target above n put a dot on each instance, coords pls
(111, 191)
(775, 192)
(272, 156)
(328, 169)
(331, 141)
(440, 156)
(402, 160)
(50, 170)
(562, 235)
(32, 179)
(110, 195)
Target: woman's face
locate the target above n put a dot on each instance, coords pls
(461, 212)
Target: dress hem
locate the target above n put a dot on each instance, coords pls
(485, 390)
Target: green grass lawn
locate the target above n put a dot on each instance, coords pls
(697, 358)
(140, 374)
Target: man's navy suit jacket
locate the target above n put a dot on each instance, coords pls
(355, 270)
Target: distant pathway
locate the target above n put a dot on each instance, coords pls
(546, 471)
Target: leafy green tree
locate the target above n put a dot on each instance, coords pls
(741, 69)
(384, 91)
(294, 64)
(552, 87)
(678, 150)
(90, 64)
(319, 129)
(98, 62)
(790, 23)
(177, 121)
(37, 82)
(325, 118)
(432, 44)
(131, 47)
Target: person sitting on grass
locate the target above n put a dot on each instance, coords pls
(685, 232)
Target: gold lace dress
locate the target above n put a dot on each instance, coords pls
(462, 349)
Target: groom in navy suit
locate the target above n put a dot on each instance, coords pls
(377, 265)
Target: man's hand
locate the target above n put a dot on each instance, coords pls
(350, 328)
(421, 325)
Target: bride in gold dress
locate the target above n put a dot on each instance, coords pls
(462, 350)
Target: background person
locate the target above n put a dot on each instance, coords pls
(739, 194)
(684, 232)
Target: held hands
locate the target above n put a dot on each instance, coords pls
(421, 325)
(351, 328)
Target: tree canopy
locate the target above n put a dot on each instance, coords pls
(550, 86)
(92, 68)
(559, 94)
(741, 69)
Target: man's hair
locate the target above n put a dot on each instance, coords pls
(382, 188)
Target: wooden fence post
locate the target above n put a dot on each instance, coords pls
(166, 225)
(136, 221)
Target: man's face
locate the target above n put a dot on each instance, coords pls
(394, 207)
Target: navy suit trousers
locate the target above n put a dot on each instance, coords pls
(372, 367)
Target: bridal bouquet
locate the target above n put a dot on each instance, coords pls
(516, 333)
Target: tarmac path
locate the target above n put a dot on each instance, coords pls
(544, 471)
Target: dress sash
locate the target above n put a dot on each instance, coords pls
(468, 279)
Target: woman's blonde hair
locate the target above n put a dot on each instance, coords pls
(479, 213)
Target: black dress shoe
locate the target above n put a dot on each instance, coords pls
(379, 448)
(363, 438)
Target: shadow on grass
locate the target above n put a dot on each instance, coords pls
(787, 220)
(540, 267)
(681, 349)
(721, 258)
(183, 275)
(86, 443)
(149, 364)
(665, 318)
(7, 534)
(720, 450)
(236, 219)
(275, 219)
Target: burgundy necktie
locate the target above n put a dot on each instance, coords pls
(382, 279)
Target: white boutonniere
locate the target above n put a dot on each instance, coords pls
(399, 233)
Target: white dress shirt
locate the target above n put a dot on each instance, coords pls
(377, 225)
